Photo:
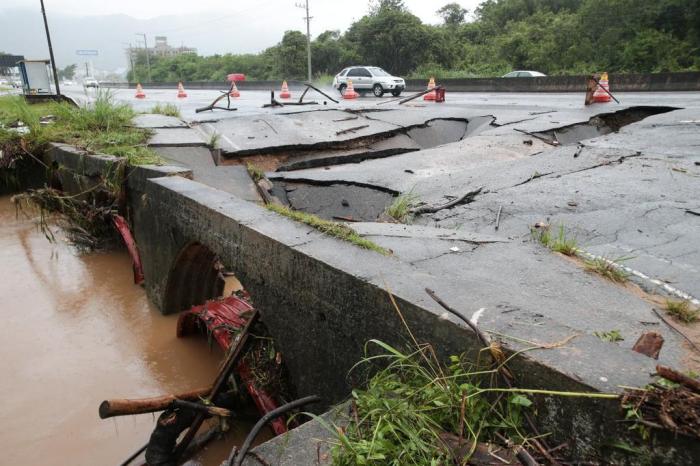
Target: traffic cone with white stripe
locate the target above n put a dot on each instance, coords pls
(599, 95)
(181, 94)
(350, 91)
(139, 92)
(284, 92)
(431, 87)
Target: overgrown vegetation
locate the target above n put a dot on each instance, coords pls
(400, 208)
(412, 405)
(86, 218)
(607, 268)
(103, 126)
(551, 36)
(166, 109)
(335, 229)
(682, 311)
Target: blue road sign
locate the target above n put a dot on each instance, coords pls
(92, 53)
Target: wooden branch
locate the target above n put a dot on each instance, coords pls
(675, 376)
(231, 359)
(353, 129)
(126, 407)
(202, 408)
(465, 199)
(320, 92)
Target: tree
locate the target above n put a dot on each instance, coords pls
(68, 72)
(378, 6)
(452, 14)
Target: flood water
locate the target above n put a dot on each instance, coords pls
(76, 330)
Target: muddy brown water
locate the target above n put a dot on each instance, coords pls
(76, 330)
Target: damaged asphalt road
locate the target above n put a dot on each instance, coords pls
(621, 180)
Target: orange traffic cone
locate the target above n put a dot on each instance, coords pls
(350, 91)
(431, 87)
(599, 95)
(284, 92)
(181, 94)
(139, 92)
(234, 90)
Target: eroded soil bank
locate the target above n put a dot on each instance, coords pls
(76, 330)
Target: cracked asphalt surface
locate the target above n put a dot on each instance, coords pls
(627, 195)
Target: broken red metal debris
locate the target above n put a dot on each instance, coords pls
(223, 318)
(122, 227)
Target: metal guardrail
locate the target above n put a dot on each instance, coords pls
(646, 82)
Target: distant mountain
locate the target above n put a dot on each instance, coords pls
(23, 34)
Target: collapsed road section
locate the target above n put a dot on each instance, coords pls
(469, 233)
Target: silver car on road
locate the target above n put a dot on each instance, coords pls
(369, 78)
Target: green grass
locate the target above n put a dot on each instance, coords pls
(166, 109)
(560, 243)
(400, 208)
(101, 127)
(214, 139)
(607, 268)
(335, 229)
(682, 311)
(611, 336)
(256, 173)
(413, 399)
(323, 80)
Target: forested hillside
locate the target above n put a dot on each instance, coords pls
(552, 36)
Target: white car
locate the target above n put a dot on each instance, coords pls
(369, 78)
(523, 74)
(90, 82)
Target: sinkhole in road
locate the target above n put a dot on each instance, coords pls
(405, 139)
(600, 125)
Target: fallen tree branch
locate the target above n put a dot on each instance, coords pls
(349, 130)
(124, 407)
(465, 199)
(675, 376)
(202, 408)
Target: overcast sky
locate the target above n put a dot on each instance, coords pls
(212, 26)
(327, 14)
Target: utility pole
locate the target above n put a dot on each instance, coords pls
(308, 36)
(130, 53)
(148, 60)
(48, 39)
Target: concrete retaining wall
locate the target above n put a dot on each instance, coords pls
(323, 299)
(656, 82)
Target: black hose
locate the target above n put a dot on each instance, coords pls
(236, 459)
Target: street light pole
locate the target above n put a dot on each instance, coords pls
(308, 38)
(148, 60)
(48, 39)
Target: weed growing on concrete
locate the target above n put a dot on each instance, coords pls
(682, 311)
(166, 109)
(256, 173)
(562, 244)
(611, 336)
(400, 208)
(335, 229)
(607, 268)
(214, 139)
(559, 243)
